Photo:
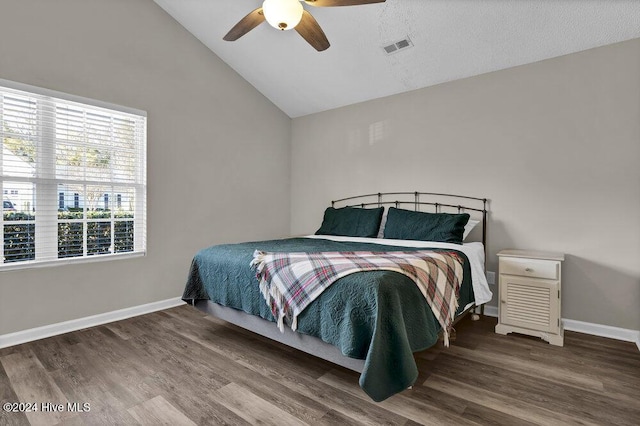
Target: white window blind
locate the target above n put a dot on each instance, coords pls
(73, 178)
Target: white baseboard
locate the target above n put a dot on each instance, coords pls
(491, 311)
(617, 333)
(32, 334)
(608, 331)
(43, 332)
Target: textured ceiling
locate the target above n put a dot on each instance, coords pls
(452, 39)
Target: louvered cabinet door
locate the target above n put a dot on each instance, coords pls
(529, 303)
(530, 294)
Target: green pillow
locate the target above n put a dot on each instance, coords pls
(351, 222)
(411, 225)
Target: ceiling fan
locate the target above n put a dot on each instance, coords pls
(289, 14)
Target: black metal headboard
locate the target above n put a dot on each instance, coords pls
(448, 202)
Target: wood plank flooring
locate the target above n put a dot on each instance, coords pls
(180, 367)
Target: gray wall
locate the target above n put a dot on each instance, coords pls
(211, 138)
(554, 145)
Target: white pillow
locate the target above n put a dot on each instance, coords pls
(468, 227)
(383, 222)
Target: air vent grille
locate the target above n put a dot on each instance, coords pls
(397, 46)
(390, 48)
(403, 43)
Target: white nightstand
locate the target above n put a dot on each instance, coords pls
(530, 294)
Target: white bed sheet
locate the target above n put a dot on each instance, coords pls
(474, 252)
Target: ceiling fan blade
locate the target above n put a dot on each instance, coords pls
(309, 29)
(245, 25)
(332, 3)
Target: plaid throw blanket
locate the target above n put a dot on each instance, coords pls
(289, 282)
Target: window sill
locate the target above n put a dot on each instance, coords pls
(69, 261)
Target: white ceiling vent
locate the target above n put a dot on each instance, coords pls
(399, 45)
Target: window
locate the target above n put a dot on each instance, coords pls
(63, 160)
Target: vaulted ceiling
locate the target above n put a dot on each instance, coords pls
(451, 39)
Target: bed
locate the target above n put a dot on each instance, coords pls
(370, 322)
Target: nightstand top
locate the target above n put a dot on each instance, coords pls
(532, 254)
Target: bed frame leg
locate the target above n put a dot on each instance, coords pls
(474, 314)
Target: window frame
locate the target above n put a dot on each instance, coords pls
(49, 185)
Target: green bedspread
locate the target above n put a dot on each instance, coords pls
(378, 316)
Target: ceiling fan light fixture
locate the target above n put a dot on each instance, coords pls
(282, 14)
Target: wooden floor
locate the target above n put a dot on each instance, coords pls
(178, 367)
